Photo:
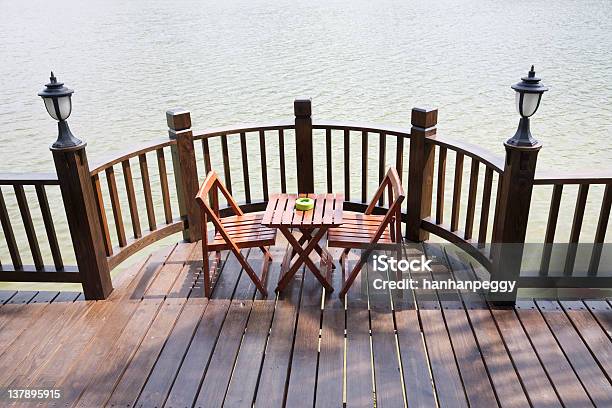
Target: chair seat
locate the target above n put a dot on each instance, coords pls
(357, 231)
(246, 231)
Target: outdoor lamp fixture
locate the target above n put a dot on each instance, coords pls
(528, 95)
(59, 105)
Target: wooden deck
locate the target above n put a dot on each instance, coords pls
(157, 342)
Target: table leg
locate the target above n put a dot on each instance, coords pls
(321, 251)
(303, 258)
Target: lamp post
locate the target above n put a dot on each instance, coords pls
(514, 193)
(75, 181)
(528, 96)
(58, 103)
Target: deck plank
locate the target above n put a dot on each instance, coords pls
(218, 374)
(603, 313)
(185, 388)
(243, 385)
(275, 369)
(245, 378)
(559, 370)
(157, 342)
(539, 389)
(34, 344)
(175, 273)
(330, 381)
(102, 384)
(136, 373)
(415, 361)
(359, 382)
(504, 378)
(303, 378)
(578, 354)
(166, 367)
(508, 388)
(86, 367)
(23, 310)
(591, 333)
(6, 295)
(476, 381)
(447, 380)
(79, 335)
(387, 373)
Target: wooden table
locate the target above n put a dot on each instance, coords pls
(313, 224)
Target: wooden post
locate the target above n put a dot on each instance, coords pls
(185, 171)
(420, 172)
(511, 215)
(303, 145)
(81, 212)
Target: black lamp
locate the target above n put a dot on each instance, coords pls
(528, 96)
(58, 103)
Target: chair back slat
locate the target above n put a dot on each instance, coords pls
(396, 195)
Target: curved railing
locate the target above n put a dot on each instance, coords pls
(137, 205)
(120, 245)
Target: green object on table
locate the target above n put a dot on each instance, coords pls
(304, 204)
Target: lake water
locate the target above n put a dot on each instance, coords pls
(245, 61)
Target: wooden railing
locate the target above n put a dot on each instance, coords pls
(120, 245)
(128, 206)
(26, 261)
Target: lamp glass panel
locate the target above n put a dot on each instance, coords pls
(65, 106)
(530, 103)
(50, 107)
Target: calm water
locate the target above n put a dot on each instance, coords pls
(244, 61)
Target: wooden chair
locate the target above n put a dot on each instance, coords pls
(367, 230)
(234, 232)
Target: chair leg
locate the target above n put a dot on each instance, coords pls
(266, 264)
(352, 276)
(249, 270)
(206, 271)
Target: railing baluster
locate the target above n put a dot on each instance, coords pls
(347, 174)
(399, 157)
(471, 207)
(441, 185)
(600, 232)
(570, 258)
(116, 205)
(26, 216)
(364, 167)
(163, 178)
(9, 234)
(551, 227)
(328, 158)
(43, 202)
(206, 153)
(245, 167)
(226, 165)
(146, 188)
(281, 152)
(486, 205)
(382, 160)
(131, 195)
(457, 192)
(264, 164)
(97, 189)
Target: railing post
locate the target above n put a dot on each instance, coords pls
(303, 145)
(81, 212)
(420, 172)
(185, 171)
(511, 216)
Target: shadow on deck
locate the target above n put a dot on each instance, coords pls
(157, 342)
